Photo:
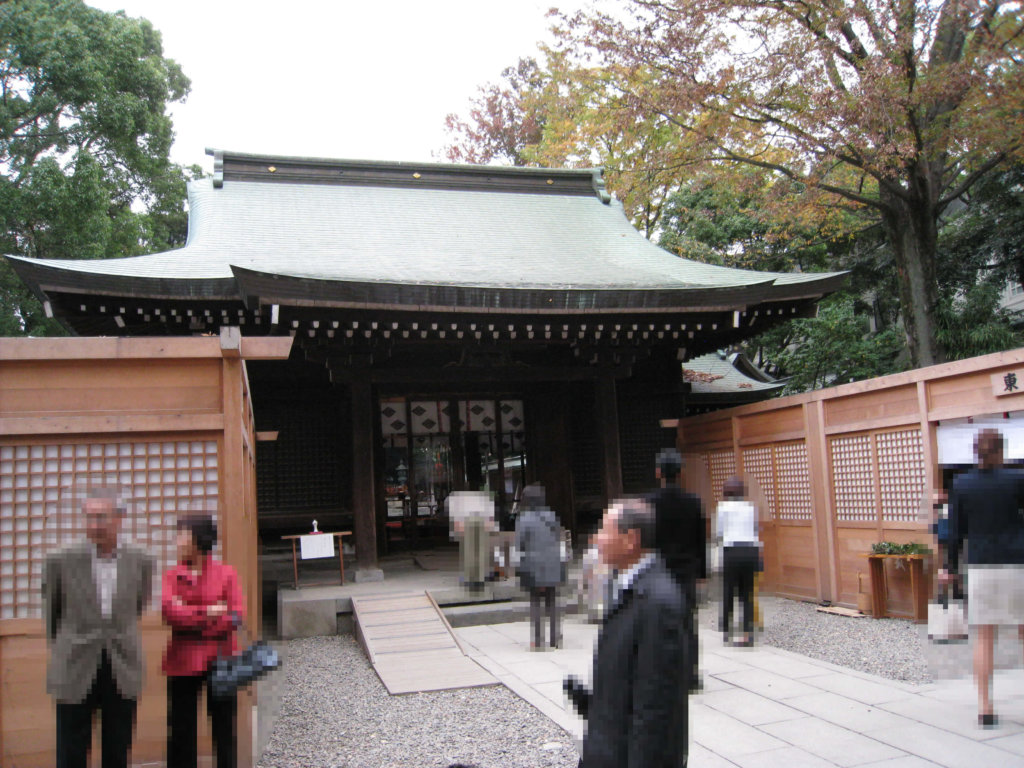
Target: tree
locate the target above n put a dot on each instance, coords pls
(987, 234)
(889, 109)
(504, 119)
(84, 143)
(552, 113)
(836, 347)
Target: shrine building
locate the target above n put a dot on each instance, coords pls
(455, 327)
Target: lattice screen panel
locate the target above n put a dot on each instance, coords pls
(793, 479)
(900, 474)
(852, 478)
(38, 509)
(758, 466)
(721, 466)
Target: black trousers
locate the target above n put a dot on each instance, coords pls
(690, 628)
(551, 604)
(739, 564)
(182, 704)
(117, 721)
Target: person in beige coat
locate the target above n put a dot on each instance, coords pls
(93, 595)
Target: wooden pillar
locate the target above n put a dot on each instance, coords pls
(826, 547)
(237, 531)
(363, 506)
(457, 445)
(550, 458)
(608, 431)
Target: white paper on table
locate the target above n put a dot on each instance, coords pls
(317, 545)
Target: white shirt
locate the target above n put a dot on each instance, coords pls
(104, 573)
(625, 579)
(737, 522)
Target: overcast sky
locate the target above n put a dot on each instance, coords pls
(344, 79)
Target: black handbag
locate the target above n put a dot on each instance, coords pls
(229, 674)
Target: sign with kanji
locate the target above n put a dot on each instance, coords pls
(1008, 383)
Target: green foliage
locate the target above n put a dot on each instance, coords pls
(84, 142)
(892, 548)
(724, 219)
(986, 235)
(836, 347)
(972, 323)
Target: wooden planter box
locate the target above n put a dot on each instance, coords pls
(918, 585)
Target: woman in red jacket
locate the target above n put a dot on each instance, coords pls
(202, 603)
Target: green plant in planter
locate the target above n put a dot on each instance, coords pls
(892, 548)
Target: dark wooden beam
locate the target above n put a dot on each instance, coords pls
(363, 503)
(459, 374)
(608, 428)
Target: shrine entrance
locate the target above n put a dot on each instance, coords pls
(432, 447)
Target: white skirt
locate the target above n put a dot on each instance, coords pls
(995, 594)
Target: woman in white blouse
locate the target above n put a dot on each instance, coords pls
(737, 528)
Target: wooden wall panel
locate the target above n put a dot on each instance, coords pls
(768, 425)
(699, 437)
(39, 386)
(970, 395)
(890, 403)
(29, 712)
(109, 391)
(870, 448)
(852, 548)
(798, 571)
(770, 556)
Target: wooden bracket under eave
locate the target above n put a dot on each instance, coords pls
(266, 347)
(267, 437)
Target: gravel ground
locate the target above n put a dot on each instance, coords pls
(335, 713)
(891, 648)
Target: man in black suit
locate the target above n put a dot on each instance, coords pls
(637, 711)
(681, 534)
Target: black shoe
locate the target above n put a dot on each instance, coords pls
(988, 721)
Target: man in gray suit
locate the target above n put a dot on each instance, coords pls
(93, 595)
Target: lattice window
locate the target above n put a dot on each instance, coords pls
(38, 510)
(900, 474)
(794, 482)
(758, 464)
(852, 478)
(721, 466)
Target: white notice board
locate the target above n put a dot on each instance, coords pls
(317, 545)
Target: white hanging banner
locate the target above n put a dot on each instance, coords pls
(956, 441)
(317, 545)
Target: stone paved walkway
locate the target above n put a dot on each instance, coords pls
(764, 707)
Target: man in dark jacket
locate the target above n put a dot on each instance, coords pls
(681, 534)
(637, 713)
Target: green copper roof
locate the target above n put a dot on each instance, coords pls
(417, 226)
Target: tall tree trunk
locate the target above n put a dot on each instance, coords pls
(913, 234)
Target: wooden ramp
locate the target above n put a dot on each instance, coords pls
(411, 646)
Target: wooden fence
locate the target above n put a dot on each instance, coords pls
(841, 468)
(167, 419)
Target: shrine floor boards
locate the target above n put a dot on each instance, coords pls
(411, 646)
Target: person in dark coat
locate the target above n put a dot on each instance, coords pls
(985, 509)
(539, 549)
(636, 714)
(681, 531)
